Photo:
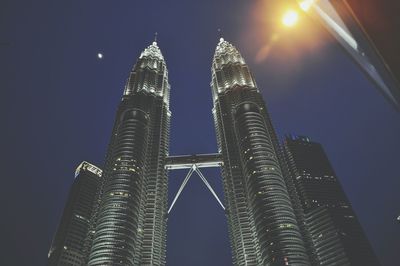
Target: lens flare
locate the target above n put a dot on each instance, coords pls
(290, 18)
(306, 4)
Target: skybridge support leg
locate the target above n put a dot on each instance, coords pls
(189, 174)
(208, 186)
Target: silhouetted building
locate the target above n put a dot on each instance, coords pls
(336, 235)
(131, 224)
(262, 224)
(74, 231)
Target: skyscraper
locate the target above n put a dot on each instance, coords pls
(68, 247)
(262, 223)
(336, 233)
(131, 224)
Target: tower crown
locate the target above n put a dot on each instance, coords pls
(226, 53)
(229, 69)
(152, 51)
(149, 74)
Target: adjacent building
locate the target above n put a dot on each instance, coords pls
(262, 223)
(336, 235)
(74, 233)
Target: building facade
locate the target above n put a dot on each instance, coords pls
(74, 233)
(336, 234)
(262, 223)
(131, 223)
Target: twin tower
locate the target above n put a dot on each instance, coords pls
(123, 220)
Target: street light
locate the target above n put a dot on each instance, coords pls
(290, 18)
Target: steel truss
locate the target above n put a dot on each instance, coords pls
(194, 163)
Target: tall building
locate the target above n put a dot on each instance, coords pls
(74, 231)
(336, 234)
(262, 223)
(131, 223)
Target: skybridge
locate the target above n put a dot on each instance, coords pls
(194, 163)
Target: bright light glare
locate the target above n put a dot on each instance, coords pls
(99, 55)
(306, 4)
(290, 18)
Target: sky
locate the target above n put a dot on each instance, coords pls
(58, 101)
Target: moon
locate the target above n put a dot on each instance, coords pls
(99, 55)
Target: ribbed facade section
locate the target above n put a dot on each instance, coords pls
(273, 213)
(155, 207)
(244, 244)
(336, 236)
(117, 239)
(327, 247)
(68, 247)
(131, 221)
(262, 222)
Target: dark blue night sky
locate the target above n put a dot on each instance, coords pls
(58, 102)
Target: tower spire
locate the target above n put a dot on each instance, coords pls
(155, 37)
(221, 39)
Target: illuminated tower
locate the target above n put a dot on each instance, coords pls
(262, 223)
(337, 236)
(74, 231)
(131, 224)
